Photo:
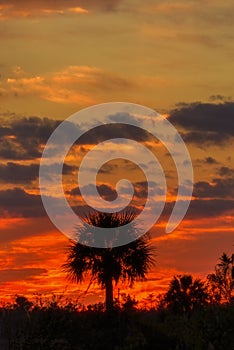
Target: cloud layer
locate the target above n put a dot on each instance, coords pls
(205, 122)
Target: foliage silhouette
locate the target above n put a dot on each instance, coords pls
(129, 263)
(221, 282)
(183, 320)
(184, 294)
(59, 327)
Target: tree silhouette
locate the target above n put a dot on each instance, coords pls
(184, 294)
(129, 263)
(22, 303)
(221, 282)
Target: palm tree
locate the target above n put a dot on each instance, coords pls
(222, 281)
(224, 264)
(184, 294)
(129, 263)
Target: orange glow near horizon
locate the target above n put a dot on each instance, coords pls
(34, 265)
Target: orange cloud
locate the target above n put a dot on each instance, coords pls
(77, 10)
(27, 8)
(79, 85)
(59, 87)
(9, 10)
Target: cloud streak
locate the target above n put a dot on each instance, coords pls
(18, 203)
(38, 8)
(23, 138)
(72, 85)
(75, 86)
(22, 274)
(205, 122)
(18, 173)
(218, 188)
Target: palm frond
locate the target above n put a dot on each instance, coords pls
(129, 262)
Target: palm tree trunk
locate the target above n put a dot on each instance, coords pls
(109, 294)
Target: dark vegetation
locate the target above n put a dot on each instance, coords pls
(58, 328)
(192, 314)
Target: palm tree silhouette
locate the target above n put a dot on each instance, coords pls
(225, 262)
(185, 294)
(222, 281)
(129, 263)
(225, 268)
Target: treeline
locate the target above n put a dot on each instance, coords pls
(25, 326)
(192, 315)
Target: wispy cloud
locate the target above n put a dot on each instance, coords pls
(77, 85)
(56, 87)
(38, 8)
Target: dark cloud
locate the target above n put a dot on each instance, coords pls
(24, 138)
(105, 191)
(219, 188)
(202, 208)
(18, 173)
(220, 98)
(226, 171)
(119, 130)
(18, 203)
(4, 131)
(108, 168)
(206, 161)
(203, 139)
(210, 160)
(34, 128)
(205, 122)
(109, 193)
(209, 208)
(10, 275)
(222, 187)
(12, 149)
(68, 169)
(74, 192)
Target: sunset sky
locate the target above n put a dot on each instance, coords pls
(58, 57)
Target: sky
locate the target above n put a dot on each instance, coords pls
(58, 57)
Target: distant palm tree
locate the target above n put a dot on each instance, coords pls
(129, 263)
(225, 262)
(184, 294)
(222, 281)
